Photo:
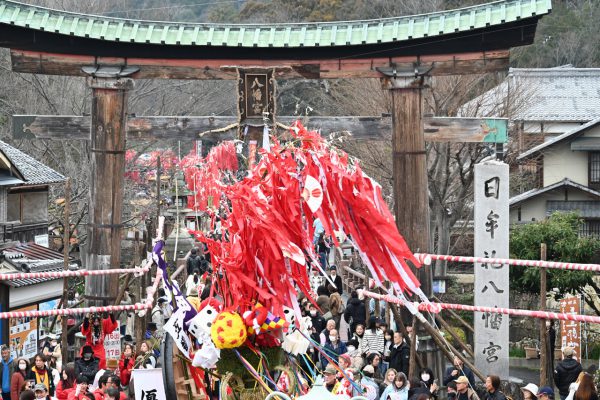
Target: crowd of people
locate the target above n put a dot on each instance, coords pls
(90, 376)
(376, 359)
(355, 352)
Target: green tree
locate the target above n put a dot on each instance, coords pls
(563, 37)
(560, 232)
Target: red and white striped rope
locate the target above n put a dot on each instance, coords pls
(438, 307)
(68, 274)
(84, 310)
(526, 263)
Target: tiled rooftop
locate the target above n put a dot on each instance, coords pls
(395, 29)
(37, 259)
(33, 171)
(542, 94)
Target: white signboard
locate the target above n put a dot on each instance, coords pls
(42, 240)
(148, 384)
(112, 344)
(491, 280)
(174, 327)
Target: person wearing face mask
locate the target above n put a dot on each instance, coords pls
(398, 390)
(428, 380)
(18, 378)
(337, 280)
(325, 333)
(87, 365)
(334, 348)
(94, 332)
(316, 319)
(354, 352)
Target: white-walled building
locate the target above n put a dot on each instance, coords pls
(555, 130)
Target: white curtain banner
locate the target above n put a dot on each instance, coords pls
(148, 384)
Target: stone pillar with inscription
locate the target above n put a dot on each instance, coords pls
(491, 280)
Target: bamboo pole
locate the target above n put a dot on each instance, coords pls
(448, 328)
(542, 322)
(457, 317)
(66, 246)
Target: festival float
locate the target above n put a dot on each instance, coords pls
(248, 337)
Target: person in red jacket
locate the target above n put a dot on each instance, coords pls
(95, 331)
(126, 363)
(18, 378)
(80, 392)
(67, 383)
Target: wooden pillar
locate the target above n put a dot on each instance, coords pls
(107, 156)
(411, 198)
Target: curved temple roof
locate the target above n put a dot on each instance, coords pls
(490, 26)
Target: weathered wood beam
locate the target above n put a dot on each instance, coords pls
(450, 129)
(437, 129)
(454, 64)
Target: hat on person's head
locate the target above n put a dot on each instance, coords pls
(40, 387)
(568, 351)
(462, 379)
(87, 349)
(346, 357)
(332, 267)
(369, 369)
(161, 300)
(546, 390)
(330, 370)
(112, 363)
(531, 387)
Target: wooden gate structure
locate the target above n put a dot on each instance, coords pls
(402, 51)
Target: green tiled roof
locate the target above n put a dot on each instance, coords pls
(365, 32)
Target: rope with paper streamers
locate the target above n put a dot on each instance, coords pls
(70, 274)
(438, 307)
(146, 305)
(426, 259)
(84, 310)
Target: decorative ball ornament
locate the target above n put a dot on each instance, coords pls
(228, 330)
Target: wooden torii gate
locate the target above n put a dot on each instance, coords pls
(402, 51)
